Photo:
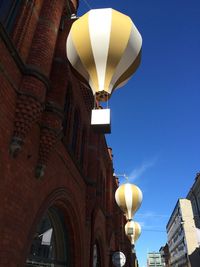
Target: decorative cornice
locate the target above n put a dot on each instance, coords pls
(28, 94)
(57, 132)
(49, 136)
(30, 70)
(24, 68)
(54, 108)
(28, 111)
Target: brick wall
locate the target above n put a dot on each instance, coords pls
(38, 168)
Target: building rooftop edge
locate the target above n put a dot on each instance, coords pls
(173, 212)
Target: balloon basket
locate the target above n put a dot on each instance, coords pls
(100, 121)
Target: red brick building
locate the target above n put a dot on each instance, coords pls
(57, 188)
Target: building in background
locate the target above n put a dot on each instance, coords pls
(164, 252)
(56, 174)
(194, 197)
(182, 236)
(154, 259)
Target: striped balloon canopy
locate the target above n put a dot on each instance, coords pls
(133, 231)
(129, 198)
(104, 48)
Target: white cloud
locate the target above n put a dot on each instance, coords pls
(148, 214)
(138, 171)
(151, 221)
(151, 214)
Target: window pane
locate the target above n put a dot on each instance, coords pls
(50, 246)
(8, 12)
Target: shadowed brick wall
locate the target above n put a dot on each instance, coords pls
(39, 167)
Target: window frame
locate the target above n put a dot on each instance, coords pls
(45, 255)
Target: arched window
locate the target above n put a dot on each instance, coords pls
(99, 187)
(8, 12)
(50, 246)
(75, 131)
(67, 107)
(96, 256)
(82, 151)
(104, 193)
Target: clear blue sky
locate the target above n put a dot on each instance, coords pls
(156, 116)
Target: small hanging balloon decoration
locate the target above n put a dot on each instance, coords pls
(133, 231)
(129, 198)
(104, 49)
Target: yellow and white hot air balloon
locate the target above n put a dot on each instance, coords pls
(104, 47)
(133, 231)
(129, 198)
